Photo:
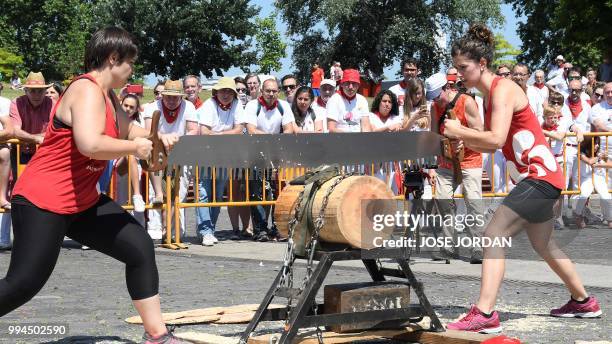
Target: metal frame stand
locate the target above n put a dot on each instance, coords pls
(301, 316)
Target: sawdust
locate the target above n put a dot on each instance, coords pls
(533, 323)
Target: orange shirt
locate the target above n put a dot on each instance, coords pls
(316, 77)
(471, 158)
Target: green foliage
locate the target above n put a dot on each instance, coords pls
(50, 35)
(270, 46)
(8, 63)
(577, 29)
(180, 37)
(371, 34)
(505, 53)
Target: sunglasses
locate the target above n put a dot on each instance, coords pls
(598, 95)
(573, 78)
(289, 87)
(241, 90)
(556, 103)
(156, 93)
(505, 75)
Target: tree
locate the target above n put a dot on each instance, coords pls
(8, 63)
(505, 53)
(270, 46)
(180, 37)
(50, 35)
(577, 29)
(372, 34)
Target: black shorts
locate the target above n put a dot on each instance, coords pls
(533, 200)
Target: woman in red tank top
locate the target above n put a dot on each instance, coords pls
(511, 125)
(88, 127)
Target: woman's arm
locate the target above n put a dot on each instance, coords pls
(88, 119)
(503, 105)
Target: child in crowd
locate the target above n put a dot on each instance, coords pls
(593, 176)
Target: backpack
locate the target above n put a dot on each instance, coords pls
(280, 109)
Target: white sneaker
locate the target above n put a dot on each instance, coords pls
(214, 238)
(155, 234)
(139, 204)
(208, 240)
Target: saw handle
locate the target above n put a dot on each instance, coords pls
(158, 159)
(450, 146)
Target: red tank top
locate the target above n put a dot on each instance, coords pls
(526, 150)
(471, 158)
(59, 178)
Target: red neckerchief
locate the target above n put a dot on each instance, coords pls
(221, 106)
(347, 97)
(540, 86)
(590, 102)
(265, 105)
(403, 84)
(198, 102)
(320, 102)
(170, 115)
(382, 119)
(575, 109)
(553, 128)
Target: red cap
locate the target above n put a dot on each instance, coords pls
(351, 75)
(451, 77)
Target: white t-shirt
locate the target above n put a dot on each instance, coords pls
(583, 120)
(210, 114)
(269, 121)
(320, 112)
(536, 102)
(186, 113)
(347, 114)
(5, 107)
(400, 93)
(542, 92)
(309, 122)
(603, 111)
(562, 127)
(377, 123)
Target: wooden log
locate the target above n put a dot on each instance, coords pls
(361, 297)
(349, 213)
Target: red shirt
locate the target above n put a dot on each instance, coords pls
(59, 178)
(316, 77)
(31, 120)
(471, 158)
(526, 150)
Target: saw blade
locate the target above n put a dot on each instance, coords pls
(302, 150)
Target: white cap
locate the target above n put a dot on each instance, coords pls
(559, 57)
(328, 82)
(434, 85)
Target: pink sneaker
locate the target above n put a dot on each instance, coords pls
(573, 309)
(474, 321)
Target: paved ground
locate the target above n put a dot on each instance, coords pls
(87, 290)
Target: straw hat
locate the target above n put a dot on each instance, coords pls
(226, 82)
(173, 88)
(35, 80)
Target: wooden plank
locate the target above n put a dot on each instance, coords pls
(330, 337)
(447, 337)
(206, 338)
(414, 334)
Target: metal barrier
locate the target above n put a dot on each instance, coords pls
(282, 176)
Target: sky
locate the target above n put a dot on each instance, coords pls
(508, 31)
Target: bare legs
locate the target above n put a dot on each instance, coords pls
(506, 223)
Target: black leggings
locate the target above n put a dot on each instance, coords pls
(105, 227)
